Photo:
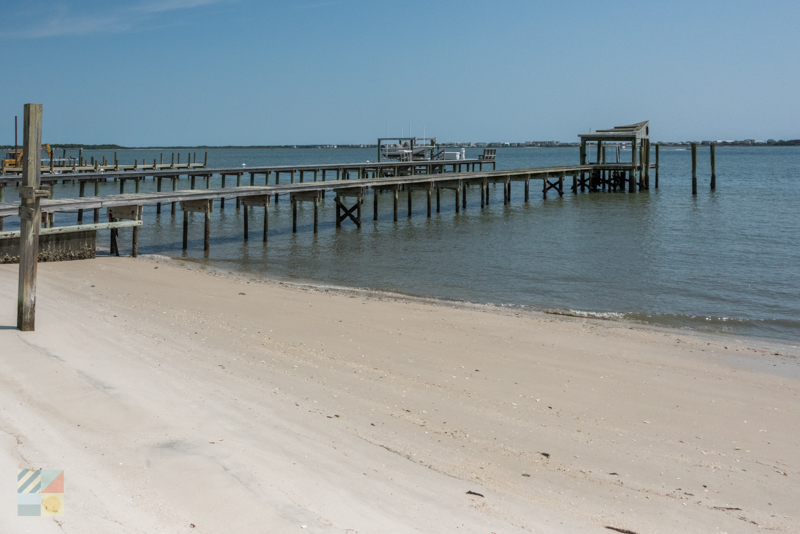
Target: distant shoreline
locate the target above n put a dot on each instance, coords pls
(72, 146)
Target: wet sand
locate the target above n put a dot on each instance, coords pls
(178, 400)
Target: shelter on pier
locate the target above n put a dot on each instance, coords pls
(638, 135)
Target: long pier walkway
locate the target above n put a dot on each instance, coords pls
(350, 194)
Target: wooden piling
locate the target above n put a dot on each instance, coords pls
(374, 201)
(266, 220)
(174, 188)
(135, 239)
(316, 214)
(694, 168)
(244, 213)
(30, 217)
(158, 189)
(185, 229)
(634, 163)
(207, 231)
(97, 194)
(657, 147)
(81, 192)
(428, 192)
(713, 167)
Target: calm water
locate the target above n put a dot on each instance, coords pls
(727, 261)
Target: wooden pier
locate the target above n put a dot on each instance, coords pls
(352, 185)
(66, 165)
(349, 194)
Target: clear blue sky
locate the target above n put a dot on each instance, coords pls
(216, 72)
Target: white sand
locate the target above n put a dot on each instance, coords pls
(171, 399)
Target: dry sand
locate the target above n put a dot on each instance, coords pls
(179, 400)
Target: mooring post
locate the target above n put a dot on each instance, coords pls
(222, 199)
(632, 173)
(396, 192)
(114, 246)
(428, 191)
(135, 240)
(81, 192)
(657, 147)
(158, 188)
(713, 167)
(30, 216)
(207, 229)
(694, 168)
(374, 202)
(527, 187)
(316, 213)
(294, 215)
(174, 188)
(185, 229)
(266, 219)
(408, 194)
(244, 213)
(97, 194)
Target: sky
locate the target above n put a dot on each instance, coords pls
(248, 72)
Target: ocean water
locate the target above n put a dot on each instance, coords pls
(726, 261)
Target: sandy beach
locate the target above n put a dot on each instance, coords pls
(182, 400)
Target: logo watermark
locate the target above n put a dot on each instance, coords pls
(40, 492)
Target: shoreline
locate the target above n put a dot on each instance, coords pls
(176, 396)
(790, 347)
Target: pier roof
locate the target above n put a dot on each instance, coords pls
(640, 130)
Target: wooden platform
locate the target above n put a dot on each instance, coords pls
(552, 179)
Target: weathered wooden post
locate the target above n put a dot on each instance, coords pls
(713, 167)
(632, 181)
(97, 194)
(657, 146)
(246, 229)
(694, 168)
(294, 214)
(428, 191)
(81, 192)
(30, 216)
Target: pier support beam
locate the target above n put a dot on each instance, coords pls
(204, 206)
(657, 147)
(307, 196)
(261, 201)
(353, 213)
(423, 186)
(694, 168)
(456, 186)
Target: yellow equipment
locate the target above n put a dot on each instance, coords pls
(14, 159)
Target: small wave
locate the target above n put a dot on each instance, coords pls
(611, 316)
